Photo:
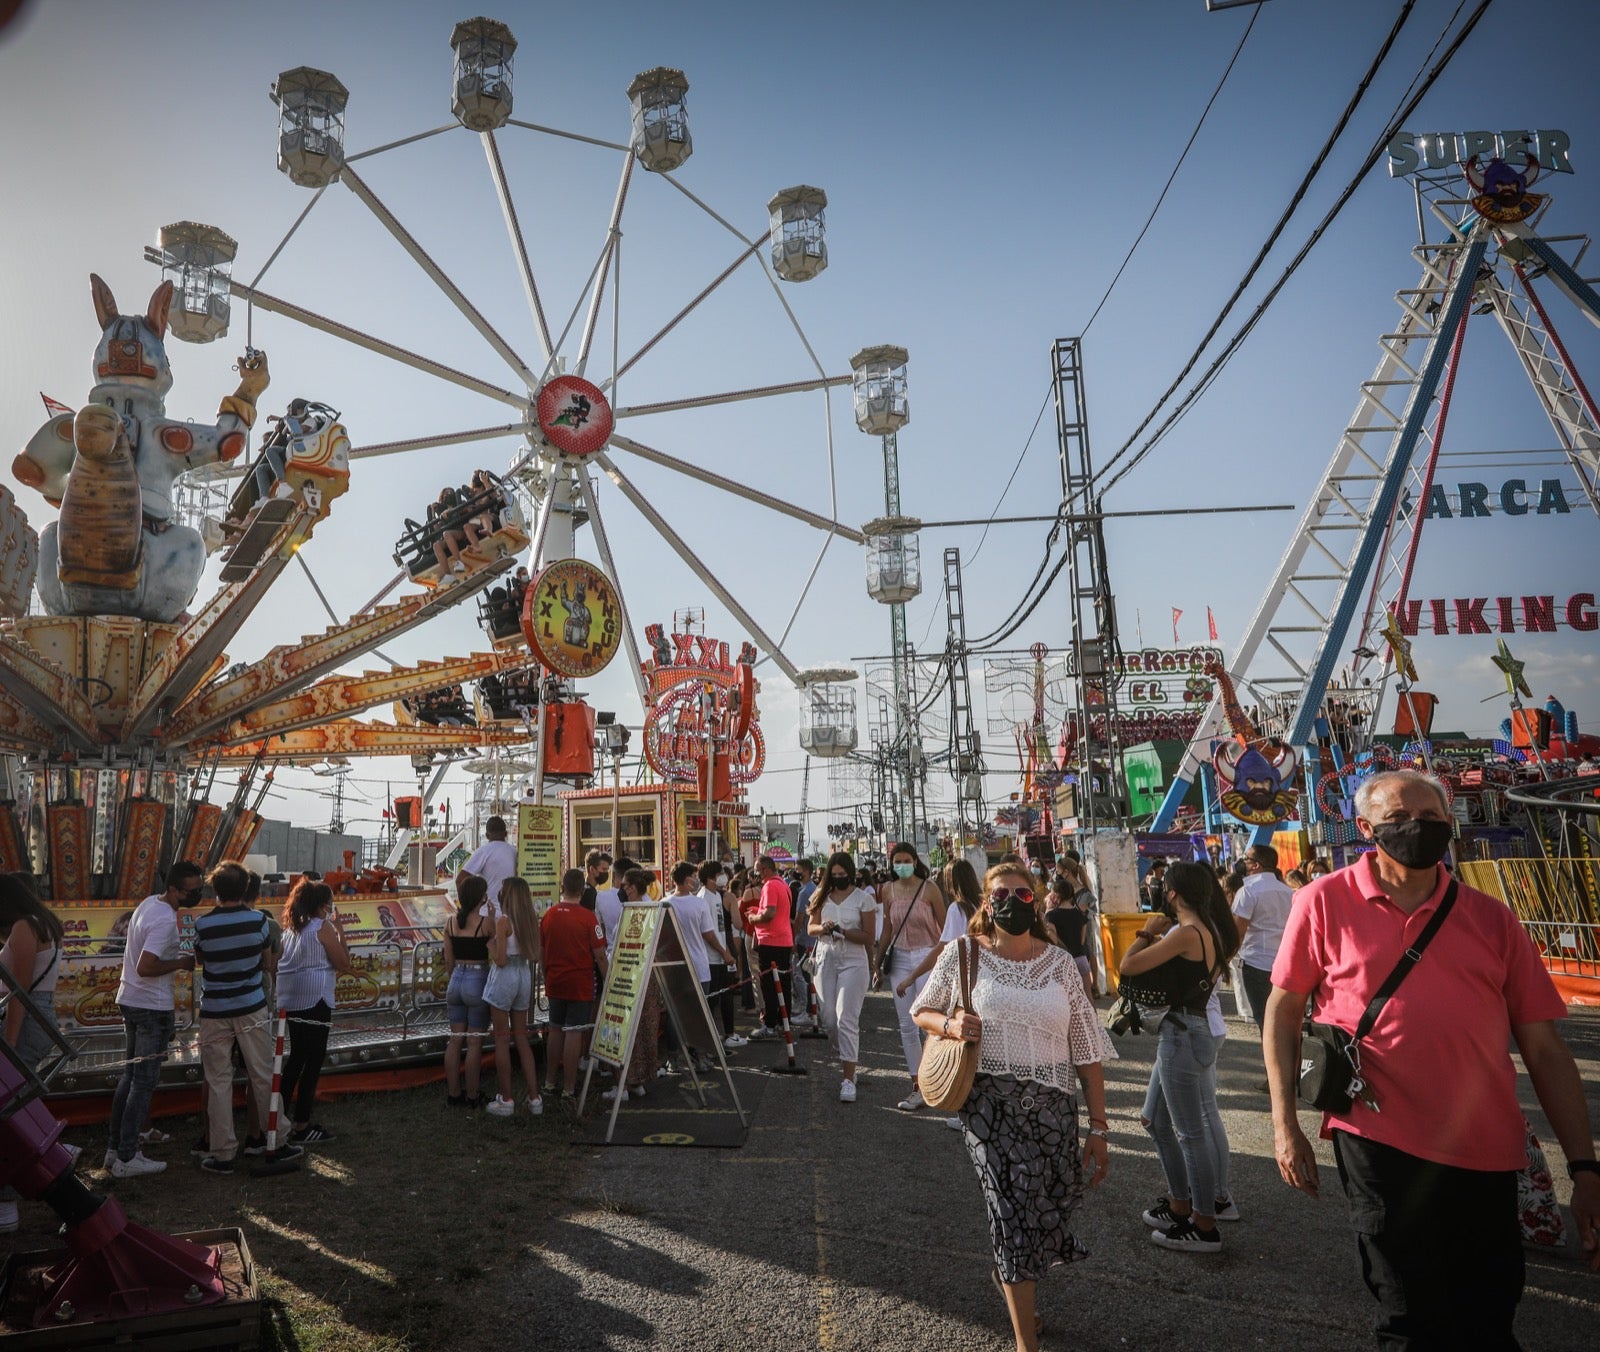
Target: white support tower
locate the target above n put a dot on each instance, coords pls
(1355, 522)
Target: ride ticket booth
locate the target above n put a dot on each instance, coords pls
(655, 825)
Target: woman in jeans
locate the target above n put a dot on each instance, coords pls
(1039, 1040)
(314, 957)
(509, 992)
(1187, 958)
(466, 965)
(844, 921)
(912, 919)
(32, 937)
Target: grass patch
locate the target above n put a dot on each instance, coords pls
(399, 1236)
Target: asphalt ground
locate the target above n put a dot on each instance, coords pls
(859, 1227)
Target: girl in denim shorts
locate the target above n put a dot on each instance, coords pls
(466, 965)
(509, 992)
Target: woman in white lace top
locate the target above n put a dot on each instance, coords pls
(1039, 1039)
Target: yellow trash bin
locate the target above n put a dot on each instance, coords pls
(1116, 938)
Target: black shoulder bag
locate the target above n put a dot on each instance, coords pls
(1330, 1058)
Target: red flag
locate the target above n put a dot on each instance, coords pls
(1211, 624)
(1176, 616)
(53, 406)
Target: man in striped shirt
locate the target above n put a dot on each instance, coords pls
(233, 945)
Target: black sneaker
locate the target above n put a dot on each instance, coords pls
(255, 1145)
(212, 1165)
(312, 1135)
(1187, 1236)
(1161, 1216)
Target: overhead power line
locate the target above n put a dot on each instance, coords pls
(1276, 233)
(1244, 330)
(1188, 145)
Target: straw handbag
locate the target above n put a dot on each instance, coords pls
(944, 1077)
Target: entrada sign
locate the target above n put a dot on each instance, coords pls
(1446, 149)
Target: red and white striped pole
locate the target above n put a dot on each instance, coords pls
(788, 1034)
(275, 1102)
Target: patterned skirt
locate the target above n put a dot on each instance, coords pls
(1023, 1139)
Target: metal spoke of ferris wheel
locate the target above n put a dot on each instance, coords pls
(706, 476)
(508, 208)
(664, 529)
(436, 274)
(438, 439)
(609, 254)
(591, 503)
(749, 251)
(729, 397)
(381, 346)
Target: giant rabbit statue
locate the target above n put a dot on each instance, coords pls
(110, 468)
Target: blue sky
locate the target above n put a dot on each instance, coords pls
(986, 170)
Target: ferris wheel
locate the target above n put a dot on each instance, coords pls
(558, 382)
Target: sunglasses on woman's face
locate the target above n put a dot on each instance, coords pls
(1022, 894)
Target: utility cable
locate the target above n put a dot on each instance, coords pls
(1276, 233)
(1248, 327)
(1188, 145)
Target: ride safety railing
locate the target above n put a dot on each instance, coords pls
(389, 1010)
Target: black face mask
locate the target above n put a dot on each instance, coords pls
(1416, 844)
(840, 884)
(1014, 916)
(601, 876)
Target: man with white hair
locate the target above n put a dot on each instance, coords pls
(1428, 1153)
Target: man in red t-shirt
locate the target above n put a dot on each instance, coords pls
(774, 942)
(574, 948)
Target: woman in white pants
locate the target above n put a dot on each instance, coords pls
(845, 922)
(913, 917)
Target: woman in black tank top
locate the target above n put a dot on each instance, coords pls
(1192, 955)
(466, 969)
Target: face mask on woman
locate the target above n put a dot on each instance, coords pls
(840, 882)
(904, 870)
(1012, 909)
(720, 881)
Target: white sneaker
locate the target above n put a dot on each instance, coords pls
(733, 1042)
(847, 1091)
(138, 1165)
(10, 1219)
(911, 1102)
(111, 1158)
(501, 1107)
(536, 1107)
(633, 1091)
(76, 1151)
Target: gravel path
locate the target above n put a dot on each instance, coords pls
(858, 1227)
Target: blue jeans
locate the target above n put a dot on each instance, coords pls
(147, 1035)
(1175, 1108)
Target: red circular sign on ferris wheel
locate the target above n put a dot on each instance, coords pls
(573, 415)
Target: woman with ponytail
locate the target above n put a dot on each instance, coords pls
(1187, 959)
(466, 969)
(314, 957)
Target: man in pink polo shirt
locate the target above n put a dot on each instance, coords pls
(1430, 1171)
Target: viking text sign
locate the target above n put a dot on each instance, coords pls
(1410, 152)
(1500, 614)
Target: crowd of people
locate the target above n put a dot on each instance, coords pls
(1428, 1145)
